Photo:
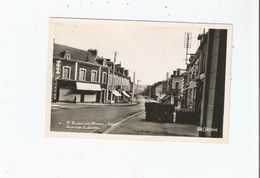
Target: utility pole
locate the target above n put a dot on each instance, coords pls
(187, 44)
(113, 76)
(133, 90)
(150, 88)
(137, 84)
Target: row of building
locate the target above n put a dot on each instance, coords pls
(169, 91)
(82, 76)
(200, 87)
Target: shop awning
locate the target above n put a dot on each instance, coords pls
(88, 86)
(68, 92)
(165, 97)
(129, 93)
(125, 94)
(191, 85)
(162, 96)
(116, 93)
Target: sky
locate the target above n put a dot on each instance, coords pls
(150, 49)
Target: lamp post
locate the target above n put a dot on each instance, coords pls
(112, 81)
(133, 90)
(137, 84)
(150, 88)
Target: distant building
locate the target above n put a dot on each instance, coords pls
(192, 85)
(155, 90)
(119, 83)
(159, 90)
(173, 88)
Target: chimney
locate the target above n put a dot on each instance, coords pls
(167, 75)
(126, 73)
(104, 61)
(93, 52)
(91, 55)
(178, 72)
(123, 71)
(118, 68)
(174, 73)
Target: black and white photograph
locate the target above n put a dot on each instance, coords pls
(129, 89)
(139, 78)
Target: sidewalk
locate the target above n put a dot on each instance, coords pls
(137, 125)
(63, 105)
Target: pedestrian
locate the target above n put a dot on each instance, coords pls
(75, 99)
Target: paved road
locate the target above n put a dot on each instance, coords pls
(138, 126)
(91, 119)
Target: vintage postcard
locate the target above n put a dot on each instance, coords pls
(139, 80)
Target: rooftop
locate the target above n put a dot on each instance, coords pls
(76, 54)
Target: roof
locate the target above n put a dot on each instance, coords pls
(194, 58)
(76, 54)
(157, 84)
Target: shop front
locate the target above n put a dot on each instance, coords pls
(72, 91)
(116, 96)
(126, 96)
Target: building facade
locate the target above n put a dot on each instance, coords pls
(199, 89)
(212, 77)
(119, 83)
(205, 81)
(192, 89)
(78, 76)
(169, 91)
(177, 88)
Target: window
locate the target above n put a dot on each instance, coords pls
(177, 85)
(93, 76)
(67, 55)
(82, 74)
(66, 72)
(104, 77)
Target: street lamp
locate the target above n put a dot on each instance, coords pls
(137, 84)
(113, 78)
(133, 88)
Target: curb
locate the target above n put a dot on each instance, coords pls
(57, 106)
(120, 122)
(133, 104)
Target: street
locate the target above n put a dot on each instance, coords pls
(91, 119)
(126, 119)
(137, 125)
